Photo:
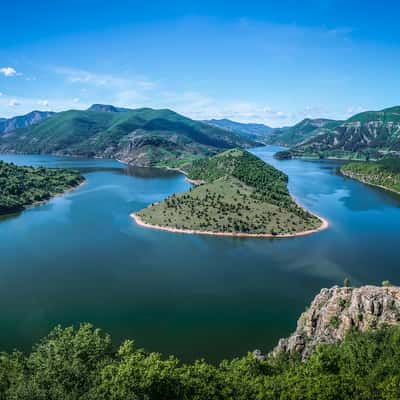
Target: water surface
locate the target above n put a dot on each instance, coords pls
(80, 257)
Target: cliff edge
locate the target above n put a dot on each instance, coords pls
(337, 310)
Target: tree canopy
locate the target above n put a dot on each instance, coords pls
(82, 364)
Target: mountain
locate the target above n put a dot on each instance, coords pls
(370, 134)
(304, 130)
(251, 131)
(142, 137)
(107, 108)
(336, 311)
(22, 121)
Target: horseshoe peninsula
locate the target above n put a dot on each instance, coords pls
(235, 194)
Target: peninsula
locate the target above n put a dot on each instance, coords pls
(384, 173)
(23, 186)
(236, 194)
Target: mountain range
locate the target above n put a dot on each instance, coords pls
(22, 121)
(147, 136)
(258, 132)
(142, 136)
(370, 134)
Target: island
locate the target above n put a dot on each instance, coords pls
(24, 186)
(384, 173)
(235, 194)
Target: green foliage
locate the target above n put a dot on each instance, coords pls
(144, 135)
(364, 136)
(22, 186)
(240, 193)
(80, 363)
(346, 282)
(387, 283)
(385, 173)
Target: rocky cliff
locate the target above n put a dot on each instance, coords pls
(335, 311)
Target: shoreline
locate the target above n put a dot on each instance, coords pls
(140, 222)
(43, 202)
(324, 223)
(368, 183)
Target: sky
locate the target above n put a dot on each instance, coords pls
(272, 62)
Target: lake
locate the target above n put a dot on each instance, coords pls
(80, 257)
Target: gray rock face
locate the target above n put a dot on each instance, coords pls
(337, 310)
(22, 121)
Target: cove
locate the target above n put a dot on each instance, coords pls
(80, 257)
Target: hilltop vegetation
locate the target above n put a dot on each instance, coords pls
(384, 173)
(141, 137)
(239, 194)
(304, 130)
(23, 186)
(83, 364)
(259, 132)
(367, 135)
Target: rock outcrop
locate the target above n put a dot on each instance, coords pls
(337, 310)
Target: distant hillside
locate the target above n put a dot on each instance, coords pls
(370, 134)
(107, 108)
(303, 131)
(142, 137)
(258, 132)
(22, 121)
(238, 194)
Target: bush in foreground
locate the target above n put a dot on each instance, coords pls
(81, 364)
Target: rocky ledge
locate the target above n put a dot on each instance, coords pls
(337, 310)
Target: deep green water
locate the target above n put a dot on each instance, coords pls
(81, 258)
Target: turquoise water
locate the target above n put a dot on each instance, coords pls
(80, 257)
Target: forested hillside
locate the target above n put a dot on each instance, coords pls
(22, 186)
(83, 364)
(141, 137)
(384, 173)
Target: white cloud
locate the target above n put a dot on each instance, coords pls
(76, 100)
(43, 103)
(14, 103)
(354, 110)
(8, 71)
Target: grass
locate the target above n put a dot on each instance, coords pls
(385, 173)
(257, 203)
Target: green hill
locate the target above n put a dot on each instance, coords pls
(141, 137)
(304, 130)
(384, 173)
(259, 132)
(238, 194)
(371, 134)
(23, 186)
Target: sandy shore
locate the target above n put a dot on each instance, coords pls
(139, 221)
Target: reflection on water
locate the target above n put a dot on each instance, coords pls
(80, 257)
(142, 172)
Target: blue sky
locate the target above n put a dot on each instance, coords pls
(271, 62)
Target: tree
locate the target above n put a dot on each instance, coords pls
(346, 282)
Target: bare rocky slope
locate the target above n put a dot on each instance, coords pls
(337, 310)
